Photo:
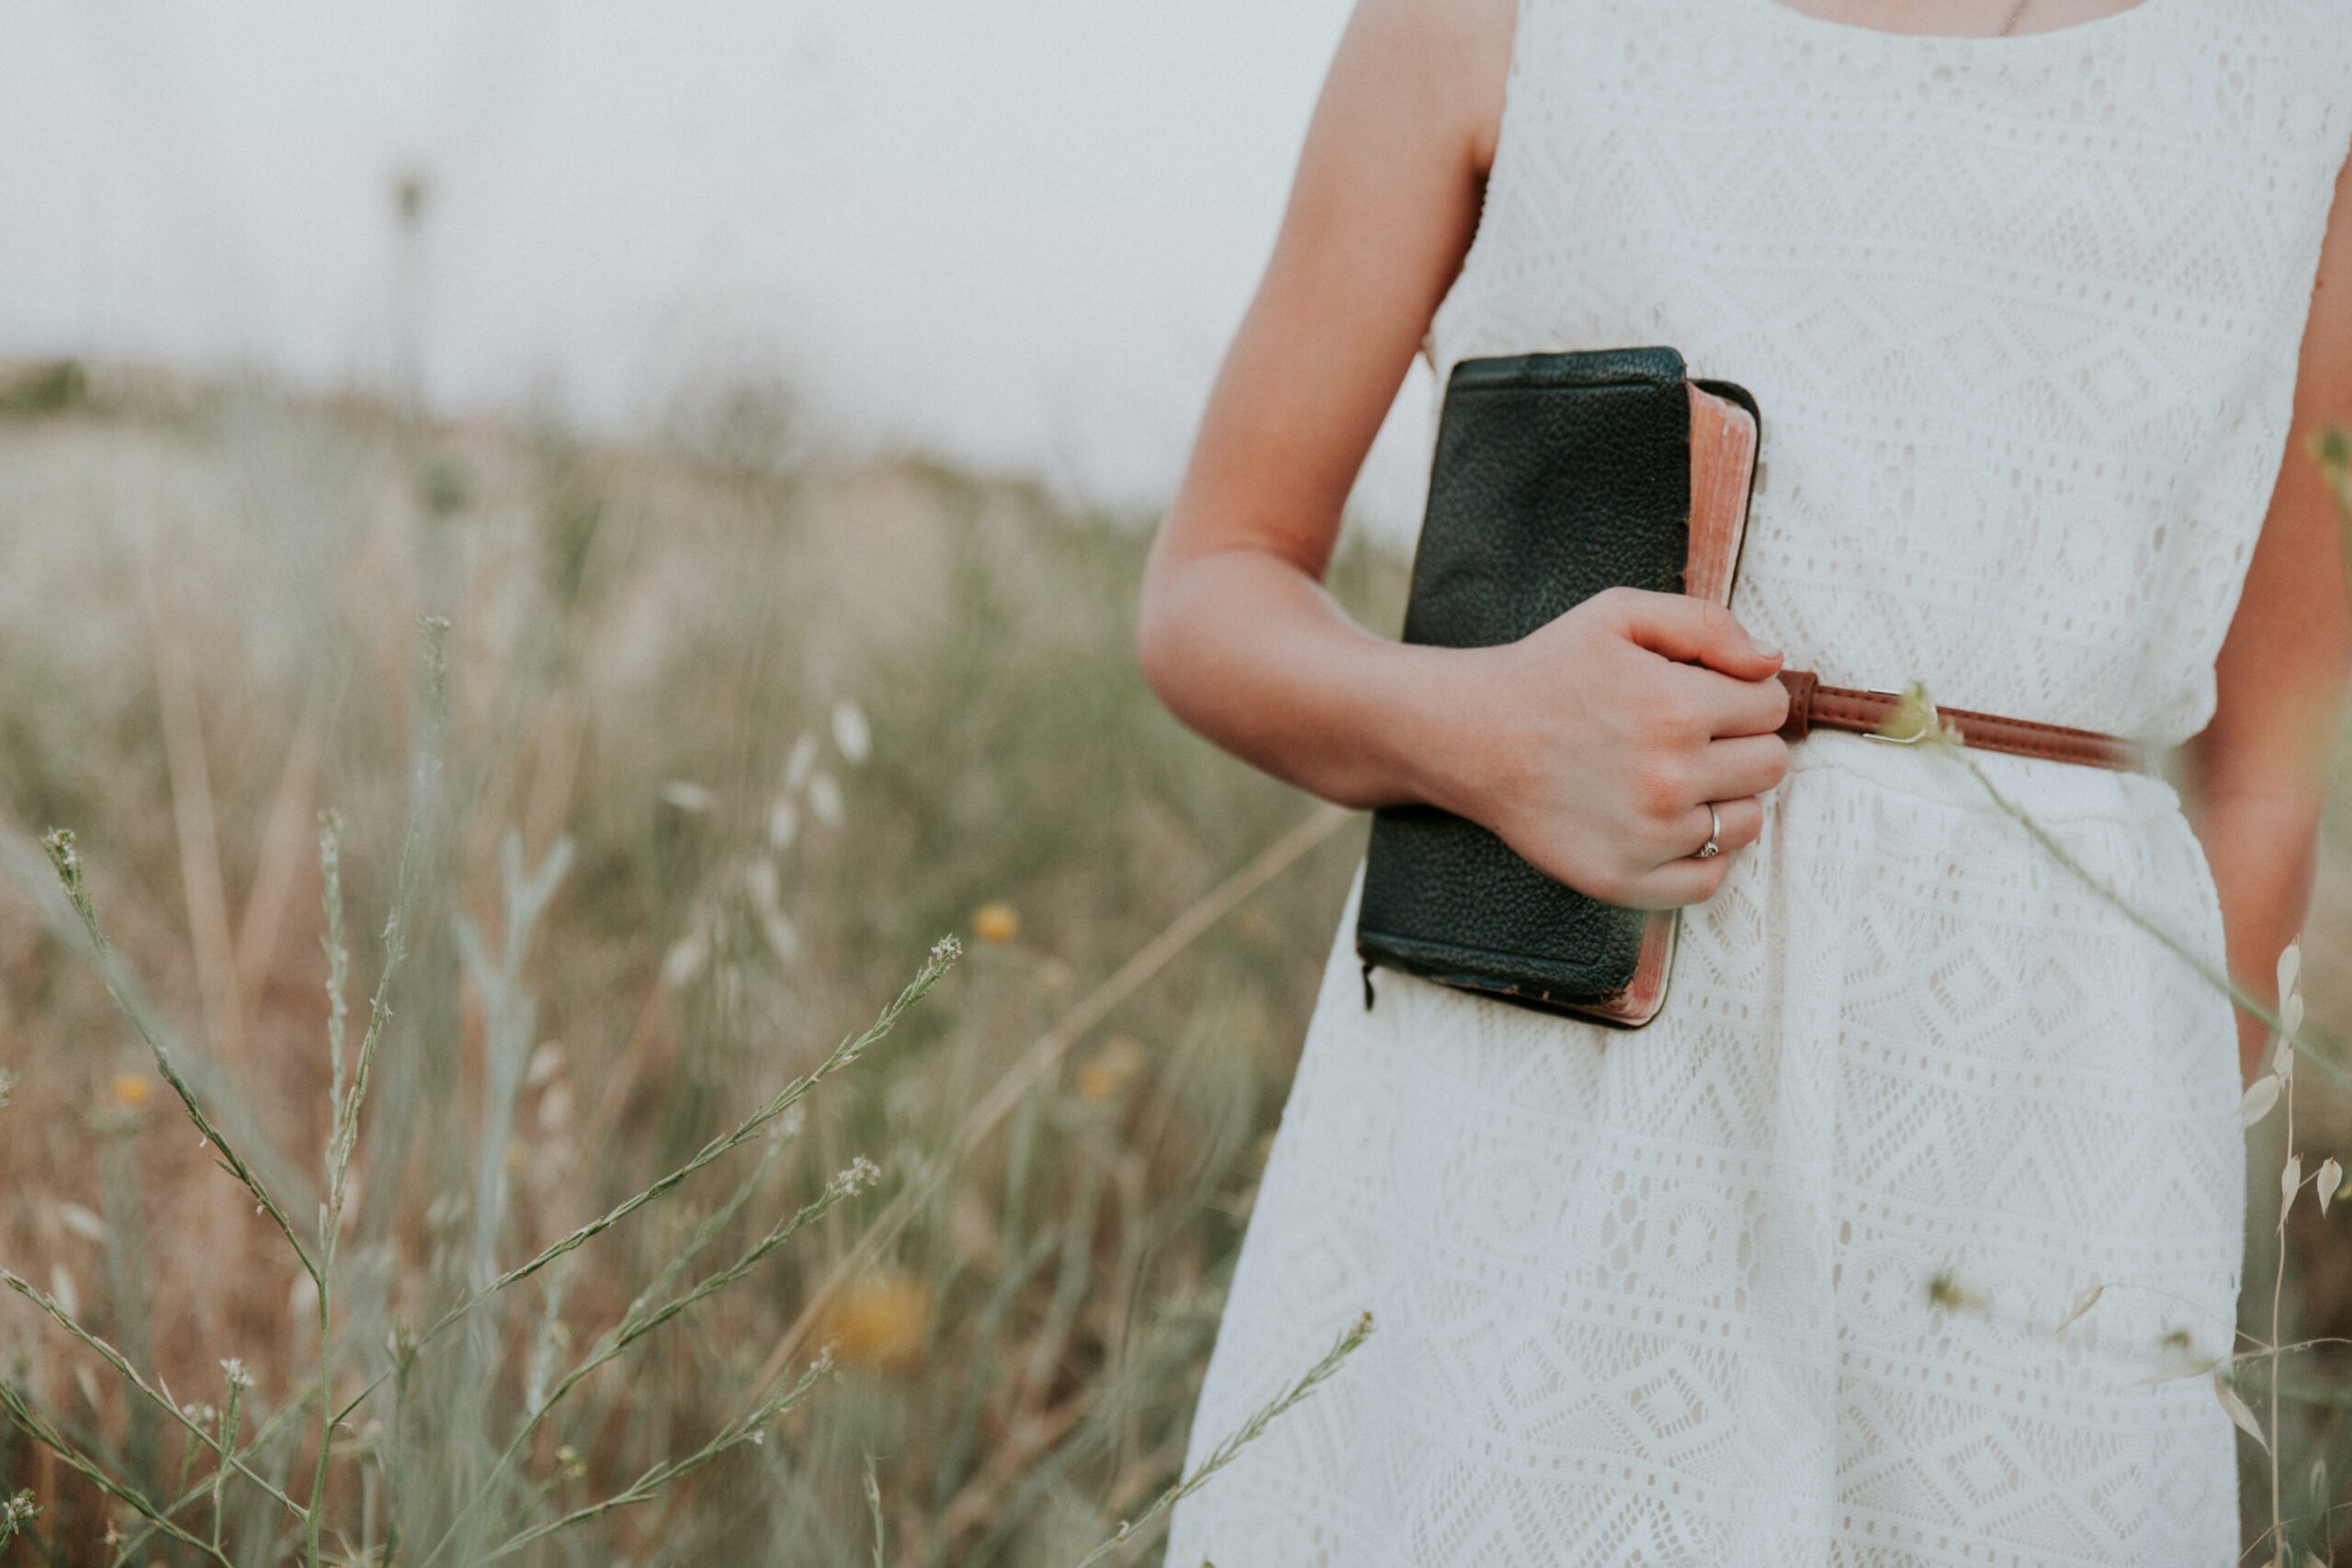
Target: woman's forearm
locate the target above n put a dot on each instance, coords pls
(2263, 849)
(1251, 652)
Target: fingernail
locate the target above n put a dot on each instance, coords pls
(1765, 650)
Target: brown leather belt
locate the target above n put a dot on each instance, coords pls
(1812, 705)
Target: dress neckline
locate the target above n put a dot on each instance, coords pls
(2096, 27)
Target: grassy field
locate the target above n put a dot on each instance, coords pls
(793, 721)
(735, 732)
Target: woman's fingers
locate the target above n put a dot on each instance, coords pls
(1742, 824)
(1746, 764)
(1684, 879)
(1725, 705)
(1696, 631)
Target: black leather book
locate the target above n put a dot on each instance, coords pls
(1555, 476)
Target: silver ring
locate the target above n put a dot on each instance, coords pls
(1710, 849)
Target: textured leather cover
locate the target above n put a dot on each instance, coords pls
(1555, 476)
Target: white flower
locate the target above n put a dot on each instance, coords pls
(685, 960)
(234, 1370)
(761, 881)
(784, 937)
(2331, 1177)
(796, 765)
(545, 1062)
(860, 1174)
(687, 796)
(825, 799)
(851, 732)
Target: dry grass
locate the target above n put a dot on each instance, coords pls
(772, 726)
(794, 722)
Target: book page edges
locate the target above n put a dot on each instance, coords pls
(1722, 459)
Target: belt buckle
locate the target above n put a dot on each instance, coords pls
(1935, 720)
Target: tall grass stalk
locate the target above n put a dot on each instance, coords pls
(497, 979)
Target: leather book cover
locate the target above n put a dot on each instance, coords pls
(1555, 476)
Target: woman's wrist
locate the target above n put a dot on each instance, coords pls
(1429, 739)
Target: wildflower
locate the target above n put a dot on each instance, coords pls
(996, 923)
(2260, 1096)
(851, 732)
(798, 765)
(761, 880)
(59, 842)
(945, 951)
(879, 1320)
(2329, 1182)
(687, 796)
(234, 1370)
(1915, 718)
(1111, 1069)
(131, 1090)
(567, 1459)
(861, 1174)
(685, 960)
(825, 799)
(765, 886)
(17, 1513)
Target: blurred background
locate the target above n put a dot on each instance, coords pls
(773, 400)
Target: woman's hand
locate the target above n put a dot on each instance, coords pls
(1594, 746)
(1591, 747)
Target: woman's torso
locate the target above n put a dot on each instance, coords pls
(2022, 314)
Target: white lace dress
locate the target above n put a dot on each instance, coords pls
(2023, 316)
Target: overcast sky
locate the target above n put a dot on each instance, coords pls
(1016, 230)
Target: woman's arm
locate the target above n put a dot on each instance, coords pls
(1593, 746)
(2257, 774)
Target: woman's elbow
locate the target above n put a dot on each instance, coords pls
(1159, 631)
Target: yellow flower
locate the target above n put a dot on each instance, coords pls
(1109, 1070)
(996, 921)
(1915, 718)
(878, 1320)
(131, 1090)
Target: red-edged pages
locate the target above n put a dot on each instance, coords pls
(1723, 455)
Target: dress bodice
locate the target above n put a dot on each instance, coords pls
(2022, 314)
